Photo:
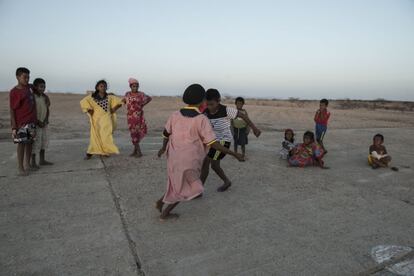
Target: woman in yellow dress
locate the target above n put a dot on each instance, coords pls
(100, 108)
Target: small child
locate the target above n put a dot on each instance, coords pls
(42, 111)
(220, 117)
(240, 127)
(378, 156)
(23, 119)
(288, 144)
(308, 153)
(187, 136)
(135, 101)
(321, 122)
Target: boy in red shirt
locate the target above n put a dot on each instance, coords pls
(321, 119)
(23, 118)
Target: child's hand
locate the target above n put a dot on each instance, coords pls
(14, 133)
(239, 157)
(123, 100)
(161, 152)
(257, 132)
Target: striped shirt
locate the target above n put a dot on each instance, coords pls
(221, 122)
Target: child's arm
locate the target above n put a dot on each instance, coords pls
(147, 100)
(13, 123)
(217, 146)
(256, 131)
(317, 114)
(166, 136)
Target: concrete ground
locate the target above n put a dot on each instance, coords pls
(97, 218)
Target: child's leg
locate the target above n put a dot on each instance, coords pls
(159, 204)
(138, 150)
(43, 161)
(166, 214)
(243, 148)
(20, 158)
(235, 146)
(215, 165)
(384, 161)
(28, 155)
(33, 163)
(205, 169)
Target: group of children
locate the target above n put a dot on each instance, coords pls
(29, 116)
(196, 138)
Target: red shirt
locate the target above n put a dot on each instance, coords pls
(203, 107)
(23, 104)
(322, 117)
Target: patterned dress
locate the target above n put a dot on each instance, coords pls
(135, 103)
(306, 155)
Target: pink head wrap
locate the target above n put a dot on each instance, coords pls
(132, 81)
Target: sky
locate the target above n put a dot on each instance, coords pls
(274, 49)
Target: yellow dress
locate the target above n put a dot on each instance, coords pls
(103, 124)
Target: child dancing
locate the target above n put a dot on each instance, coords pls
(187, 137)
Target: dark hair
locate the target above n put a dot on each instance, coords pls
(95, 94)
(324, 101)
(212, 95)
(293, 134)
(38, 81)
(310, 135)
(239, 99)
(22, 70)
(379, 135)
(194, 94)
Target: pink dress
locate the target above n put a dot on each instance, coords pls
(135, 115)
(187, 147)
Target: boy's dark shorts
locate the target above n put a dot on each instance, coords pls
(218, 155)
(25, 134)
(240, 136)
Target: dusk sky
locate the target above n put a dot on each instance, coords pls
(278, 49)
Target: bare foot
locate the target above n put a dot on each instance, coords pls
(33, 167)
(133, 154)
(45, 163)
(22, 172)
(170, 216)
(224, 187)
(159, 204)
(139, 154)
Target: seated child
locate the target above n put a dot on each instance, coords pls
(288, 144)
(309, 153)
(378, 156)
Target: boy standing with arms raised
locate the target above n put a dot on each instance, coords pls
(23, 119)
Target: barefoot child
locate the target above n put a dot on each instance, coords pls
(135, 101)
(23, 119)
(308, 153)
(378, 156)
(321, 122)
(220, 117)
(240, 128)
(288, 144)
(101, 108)
(42, 111)
(187, 136)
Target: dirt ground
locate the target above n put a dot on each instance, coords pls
(97, 218)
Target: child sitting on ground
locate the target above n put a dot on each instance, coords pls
(42, 111)
(308, 153)
(378, 156)
(288, 144)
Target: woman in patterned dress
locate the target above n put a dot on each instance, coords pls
(135, 101)
(101, 108)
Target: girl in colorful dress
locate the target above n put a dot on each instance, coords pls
(135, 101)
(187, 137)
(308, 153)
(100, 108)
(288, 144)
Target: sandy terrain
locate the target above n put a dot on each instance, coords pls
(96, 217)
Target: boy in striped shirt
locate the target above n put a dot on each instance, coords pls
(220, 117)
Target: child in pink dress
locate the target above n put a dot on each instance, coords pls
(135, 101)
(187, 136)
